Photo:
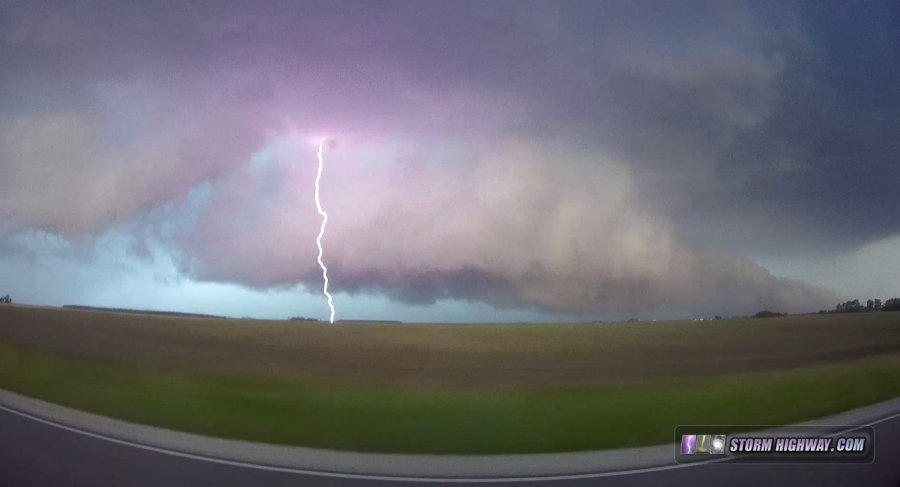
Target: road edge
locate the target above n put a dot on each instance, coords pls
(380, 465)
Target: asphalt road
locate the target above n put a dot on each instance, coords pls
(36, 453)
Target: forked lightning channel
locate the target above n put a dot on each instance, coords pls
(322, 231)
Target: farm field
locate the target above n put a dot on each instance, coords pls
(469, 389)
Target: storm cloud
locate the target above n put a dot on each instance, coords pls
(515, 224)
(578, 157)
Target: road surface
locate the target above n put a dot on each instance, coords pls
(36, 452)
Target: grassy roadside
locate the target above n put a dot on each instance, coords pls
(354, 416)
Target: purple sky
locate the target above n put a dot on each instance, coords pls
(491, 161)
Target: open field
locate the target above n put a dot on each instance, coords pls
(449, 388)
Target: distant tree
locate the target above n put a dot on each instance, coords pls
(717, 317)
(877, 305)
(892, 304)
(633, 320)
(769, 314)
(870, 305)
(850, 307)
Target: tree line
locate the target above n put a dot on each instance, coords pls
(854, 306)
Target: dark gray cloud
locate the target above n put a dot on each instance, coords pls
(577, 156)
(770, 130)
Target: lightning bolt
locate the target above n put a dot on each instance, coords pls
(322, 231)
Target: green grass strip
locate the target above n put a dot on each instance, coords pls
(414, 420)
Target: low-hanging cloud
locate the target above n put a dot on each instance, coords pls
(515, 225)
(77, 173)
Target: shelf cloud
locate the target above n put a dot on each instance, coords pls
(572, 157)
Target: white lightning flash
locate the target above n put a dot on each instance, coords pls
(322, 231)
